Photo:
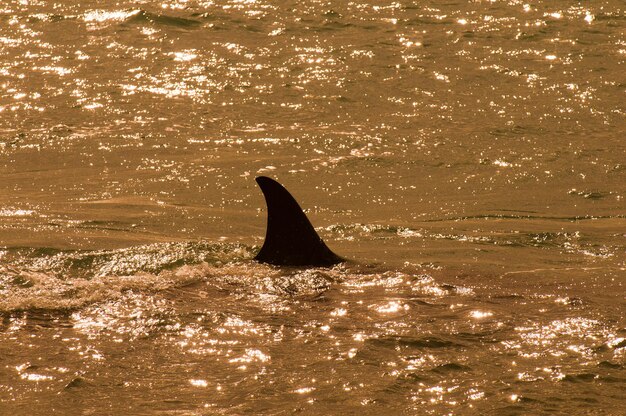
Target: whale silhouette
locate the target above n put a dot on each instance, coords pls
(290, 239)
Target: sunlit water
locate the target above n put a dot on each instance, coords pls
(468, 158)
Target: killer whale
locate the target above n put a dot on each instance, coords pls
(290, 239)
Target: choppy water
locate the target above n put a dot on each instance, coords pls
(468, 156)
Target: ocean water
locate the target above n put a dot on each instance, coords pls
(468, 158)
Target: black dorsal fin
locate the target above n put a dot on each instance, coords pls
(290, 238)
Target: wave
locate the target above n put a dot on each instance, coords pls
(50, 279)
(160, 19)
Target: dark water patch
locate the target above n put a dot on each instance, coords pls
(608, 364)
(593, 195)
(335, 25)
(509, 296)
(344, 99)
(77, 383)
(106, 225)
(517, 130)
(424, 21)
(403, 384)
(591, 401)
(453, 290)
(612, 379)
(143, 17)
(37, 318)
(538, 240)
(602, 348)
(204, 15)
(451, 368)
(613, 16)
(526, 399)
(332, 14)
(430, 304)
(618, 167)
(417, 343)
(621, 344)
(510, 410)
(580, 378)
(46, 17)
(413, 377)
(448, 287)
(572, 301)
(252, 29)
(485, 337)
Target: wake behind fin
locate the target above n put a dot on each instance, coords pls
(290, 239)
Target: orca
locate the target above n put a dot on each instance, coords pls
(290, 239)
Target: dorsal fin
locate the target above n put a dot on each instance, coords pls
(290, 238)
